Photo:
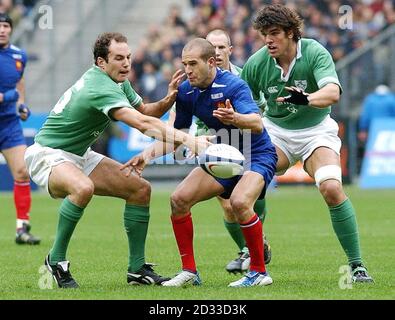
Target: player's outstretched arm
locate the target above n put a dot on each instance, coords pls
(140, 161)
(159, 108)
(158, 130)
(229, 116)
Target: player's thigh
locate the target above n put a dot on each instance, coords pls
(65, 179)
(15, 160)
(283, 161)
(109, 180)
(320, 157)
(197, 186)
(247, 190)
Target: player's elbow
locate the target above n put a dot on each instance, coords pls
(148, 126)
(334, 93)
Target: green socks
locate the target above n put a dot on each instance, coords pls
(69, 215)
(260, 209)
(236, 233)
(136, 220)
(234, 228)
(345, 225)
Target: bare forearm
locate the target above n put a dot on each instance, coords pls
(157, 149)
(325, 97)
(159, 108)
(21, 90)
(152, 127)
(248, 121)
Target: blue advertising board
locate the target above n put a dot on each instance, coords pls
(378, 167)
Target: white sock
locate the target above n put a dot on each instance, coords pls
(20, 222)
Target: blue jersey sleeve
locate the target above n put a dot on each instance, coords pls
(24, 61)
(242, 100)
(183, 114)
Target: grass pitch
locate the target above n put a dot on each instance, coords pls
(306, 254)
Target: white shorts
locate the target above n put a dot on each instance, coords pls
(298, 145)
(40, 161)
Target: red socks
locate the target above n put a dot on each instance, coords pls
(22, 199)
(252, 231)
(183, 231)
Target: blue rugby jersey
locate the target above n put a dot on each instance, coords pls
(12, 65)
(192, 101)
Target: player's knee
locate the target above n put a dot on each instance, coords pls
(178, 203)
(332, 191)
(240, 206)
(141, 194)
(21, 174)
(84, 190)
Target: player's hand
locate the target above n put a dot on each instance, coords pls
(297, 96)
(174, 83)
(24, 112)
(199, 144)
(227, 114)
(135, 165)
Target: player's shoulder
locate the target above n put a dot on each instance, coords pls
(185, 88)
(98, 84)
(257, 59)
(228, 80)
(17, 52)
(312, 47)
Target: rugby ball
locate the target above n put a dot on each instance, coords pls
(222, 161)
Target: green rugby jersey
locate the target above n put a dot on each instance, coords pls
(81, 114)
(312, 69)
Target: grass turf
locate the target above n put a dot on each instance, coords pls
(305, 264)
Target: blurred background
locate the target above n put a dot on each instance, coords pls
(58, 36)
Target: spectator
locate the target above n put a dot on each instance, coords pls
(378, 104)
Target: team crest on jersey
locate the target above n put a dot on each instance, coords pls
(220, 104)
(292, 109)
(18, 65)
(272, 90)
(301, 84)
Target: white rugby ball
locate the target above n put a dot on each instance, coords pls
(222, 161)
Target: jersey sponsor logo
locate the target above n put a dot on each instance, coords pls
(217, 85)
(301, 84)
(217, 95)
(273, 89)
(292, 109)
(17, 56)
(190, 92)
(19, 65)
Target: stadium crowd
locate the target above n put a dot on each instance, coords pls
(17, 9)
(158, 54)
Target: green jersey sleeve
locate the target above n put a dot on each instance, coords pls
(134, 99)
(324, 68)
(109, 99)
(248, 75)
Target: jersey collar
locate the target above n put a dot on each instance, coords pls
(291, 66)
(233, 69)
